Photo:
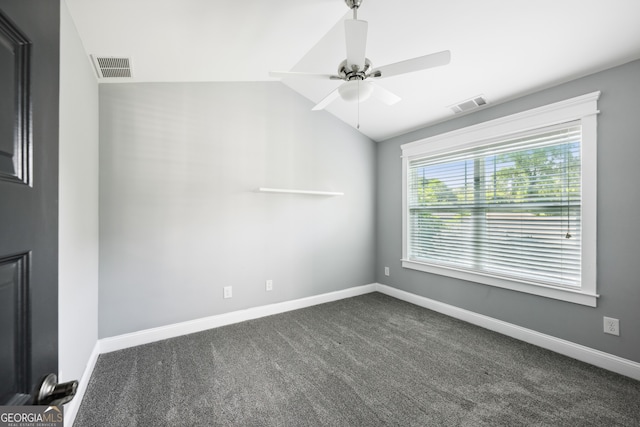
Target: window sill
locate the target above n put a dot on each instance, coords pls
(564, 294)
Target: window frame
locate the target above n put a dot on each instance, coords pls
(583, 109)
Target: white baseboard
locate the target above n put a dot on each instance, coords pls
(107, 345)
(71, 408)
(589, 355)
(170, 331)
(586, 354)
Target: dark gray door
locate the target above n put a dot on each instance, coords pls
(29, 82)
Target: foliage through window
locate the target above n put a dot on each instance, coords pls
(509, 203)
(511, 208)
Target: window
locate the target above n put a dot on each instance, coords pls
(508, 203)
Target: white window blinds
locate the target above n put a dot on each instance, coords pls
(509, 209)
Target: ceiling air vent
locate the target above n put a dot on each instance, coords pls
(112, 66)
(469, 104)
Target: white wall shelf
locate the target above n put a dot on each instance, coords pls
(291, 191)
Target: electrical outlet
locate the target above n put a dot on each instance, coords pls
(386, 271)
(611, 326)
(226, 292)
(269, 285)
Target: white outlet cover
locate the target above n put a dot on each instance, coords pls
(269, 285)
(227, 292)
(611, 326)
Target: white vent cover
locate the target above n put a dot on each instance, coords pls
(112, 66)
(469, 104)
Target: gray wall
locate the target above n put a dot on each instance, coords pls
(78, 205)
(179, 217)
(618, 229)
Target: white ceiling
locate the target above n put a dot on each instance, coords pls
(501, 49)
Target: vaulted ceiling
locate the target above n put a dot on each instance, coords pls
(500, 49)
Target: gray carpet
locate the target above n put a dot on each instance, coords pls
(365, 361)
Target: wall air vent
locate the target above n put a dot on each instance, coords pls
(112, 66)
(469, 104)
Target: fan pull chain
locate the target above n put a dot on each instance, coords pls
(358, 125)
(566, 177)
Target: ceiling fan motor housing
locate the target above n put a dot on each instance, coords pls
(353, 3)
(355, 74)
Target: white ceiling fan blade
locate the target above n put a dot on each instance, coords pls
(415, 64)
(384, 95)
(356, 37)
(304, 75)
(327, 100)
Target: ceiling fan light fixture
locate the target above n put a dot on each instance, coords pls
(355, 90)
(356, 70)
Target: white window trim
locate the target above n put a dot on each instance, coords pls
(583, 108)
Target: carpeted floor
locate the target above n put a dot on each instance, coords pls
(365, 361)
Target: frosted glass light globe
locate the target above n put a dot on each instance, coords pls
(349, 90)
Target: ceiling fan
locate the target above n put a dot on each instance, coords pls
(357, 72)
